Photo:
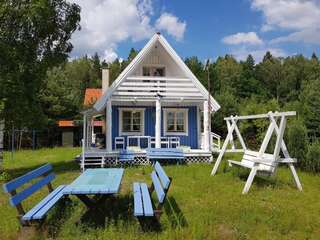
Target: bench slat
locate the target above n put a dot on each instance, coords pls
(16, 199)
(162, 175)
(14, 184)
(157, 186)
(147, 205)
(39, 211)
(256, 154)
(138, 208)
(252, 158)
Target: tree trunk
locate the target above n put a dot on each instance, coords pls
(1, 143)
(20, 139)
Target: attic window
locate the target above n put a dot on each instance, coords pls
(153, 71)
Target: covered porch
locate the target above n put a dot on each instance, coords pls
(149, 129)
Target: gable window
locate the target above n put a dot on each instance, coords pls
(153, 71)
(176, 121)
(131, 121)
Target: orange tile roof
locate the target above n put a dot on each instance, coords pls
(71, 123)
(98, 123)
(66, 123)
(92, 95)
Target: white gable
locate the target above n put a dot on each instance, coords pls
(178, 82)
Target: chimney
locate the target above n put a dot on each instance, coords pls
(105, 79)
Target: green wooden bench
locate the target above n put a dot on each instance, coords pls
(39, 211)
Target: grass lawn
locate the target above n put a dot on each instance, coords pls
(199, 206)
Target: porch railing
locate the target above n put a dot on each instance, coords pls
(215, 141)
(149, 141)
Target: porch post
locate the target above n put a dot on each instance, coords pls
(84, 142)
(109, 126)
(206, 130)
(158, 124)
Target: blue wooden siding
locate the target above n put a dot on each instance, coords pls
(149, 125)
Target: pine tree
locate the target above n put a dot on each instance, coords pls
(314, 57)
(268, 56)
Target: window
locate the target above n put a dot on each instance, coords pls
(176, 121)
(153, 71)
(131, 121)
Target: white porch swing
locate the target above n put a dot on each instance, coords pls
(259, 162)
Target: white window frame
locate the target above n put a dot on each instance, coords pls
(186, 122)
(150, 65)
(123, 133)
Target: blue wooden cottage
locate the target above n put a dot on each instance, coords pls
(156, 102)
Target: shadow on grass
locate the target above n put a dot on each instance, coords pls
(261, 180)
(175, 215)
(114, 210)
(58, 215)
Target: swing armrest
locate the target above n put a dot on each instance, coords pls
(287, 160)
(268, 163)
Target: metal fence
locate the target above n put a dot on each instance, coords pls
(17, 139)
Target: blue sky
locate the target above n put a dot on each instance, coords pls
(206, 29)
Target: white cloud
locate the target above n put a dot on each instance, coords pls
(106, 23)
(258, 54)
(243, 38)
(109, 55)
(300, 17)
(307, 36)
(171, 25)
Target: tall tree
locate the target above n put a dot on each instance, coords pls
(310, 98)
(34, 36)
(269, 73)
(96, 70)
(314, 57)
(228, 74)
(247, 85)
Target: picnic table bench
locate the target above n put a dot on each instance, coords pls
(143, 206)
(39, 211)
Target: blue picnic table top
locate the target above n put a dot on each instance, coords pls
(96, 181)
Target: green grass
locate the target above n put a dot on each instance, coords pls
(199, 206)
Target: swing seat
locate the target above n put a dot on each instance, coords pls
(266, 163)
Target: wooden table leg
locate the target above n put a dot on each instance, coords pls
(86, 200)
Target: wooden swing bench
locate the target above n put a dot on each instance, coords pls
(260, 162)
(39, 211)
(265, 163)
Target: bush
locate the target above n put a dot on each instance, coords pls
(254, 131)
(4, 176)
(297, 139)
(313, 158)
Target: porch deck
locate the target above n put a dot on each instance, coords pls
(103, 158)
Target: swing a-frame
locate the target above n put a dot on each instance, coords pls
(259, 162)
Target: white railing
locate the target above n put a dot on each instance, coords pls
(83, 156)
(169, 142)
(215, 140)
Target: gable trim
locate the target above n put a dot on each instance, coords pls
(100, 104)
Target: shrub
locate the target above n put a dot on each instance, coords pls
(313, 158)
(4, 176)
(298, 142)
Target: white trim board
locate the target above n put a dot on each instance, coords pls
(186, 121)
(100, 104)
(121, 132)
